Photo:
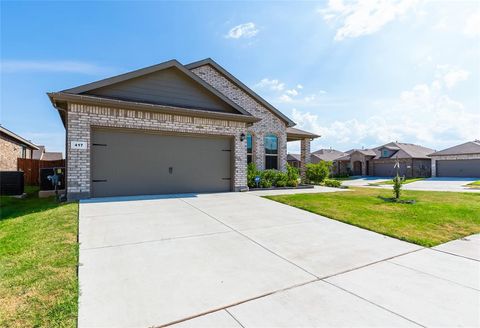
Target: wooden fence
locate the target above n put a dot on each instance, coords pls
(31, 168)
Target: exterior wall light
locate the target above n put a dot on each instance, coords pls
(242, 137)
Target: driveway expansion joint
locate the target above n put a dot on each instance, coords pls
(458, 255)
(432, 275)
(253, 241)
(373, 303)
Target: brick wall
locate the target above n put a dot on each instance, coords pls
(9, 152)
(270, 124)
(81, 118)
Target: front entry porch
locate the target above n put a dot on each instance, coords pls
(305, 138)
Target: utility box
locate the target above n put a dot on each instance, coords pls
(46, 183)
(11, 183)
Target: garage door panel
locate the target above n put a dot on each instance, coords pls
(469, 168)
(388, 170)
(131, 163)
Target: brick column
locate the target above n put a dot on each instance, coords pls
(304, 157)
(434, 167)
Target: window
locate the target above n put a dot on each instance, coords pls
(249, 148)
(385, 153)
(23, 152)
(271, 152)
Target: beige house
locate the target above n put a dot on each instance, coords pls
(380, 161)
(170, 128)
(12, 146)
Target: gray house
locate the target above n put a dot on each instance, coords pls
(458, 161)
(380, 161)
(170, 128)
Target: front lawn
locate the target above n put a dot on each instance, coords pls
(390, 182)
(38, 262)
(435, 218)
(474, 184)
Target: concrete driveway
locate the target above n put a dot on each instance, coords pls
(442, 184)
(236, 259)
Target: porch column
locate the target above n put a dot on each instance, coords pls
(304, 156)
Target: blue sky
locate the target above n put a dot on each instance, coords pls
(357, 73)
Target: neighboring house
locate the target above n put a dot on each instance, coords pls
(380, 161)
(12, 146)
(458, 161)
(170, 128)
(328, 155)
(43, 155)
(295, 160)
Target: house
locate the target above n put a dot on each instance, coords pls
(12, 146)
(170, 128)
(458, 161)
(43, 155)
(380, 161)
(328, 155)
(295, 160)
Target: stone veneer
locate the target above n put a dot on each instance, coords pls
(449, 157)
(269, 124)
(82, 118)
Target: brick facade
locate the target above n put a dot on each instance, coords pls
(81, 119)
(269, 124)
(9, 152)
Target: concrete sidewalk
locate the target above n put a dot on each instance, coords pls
(236, 259)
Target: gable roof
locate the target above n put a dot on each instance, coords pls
(149, 70)
(469, 147)
(404, 150)
(17, 138)
(294, 157)
(328, 154)
(238, 83)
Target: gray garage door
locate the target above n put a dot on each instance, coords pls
(132, 163)
(387, 169)
(459, 168)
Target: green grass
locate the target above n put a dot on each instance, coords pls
(38, 262)
(474, 184)
(390, 182)
(435, 218)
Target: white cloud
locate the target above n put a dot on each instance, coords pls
(363, 17)
(285, 98)
(292, 92)
(425, 114)
(246, 30)
(449, 76)
(454, 76)
(61, 66)
(299, 86)
(472, 25)
(274, 85)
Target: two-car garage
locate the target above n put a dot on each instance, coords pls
(132, 162)
(469, 168)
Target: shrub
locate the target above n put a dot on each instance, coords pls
(281, 179)
(292, 173)
(397, 186)
(252, 172)
(317, 173)
(268, 178)
(332, 183)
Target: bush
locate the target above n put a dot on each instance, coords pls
(268, 178)
(332, 183)
(252, 172)
(397, 186)
(317, 173)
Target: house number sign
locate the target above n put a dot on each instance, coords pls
(78, 145)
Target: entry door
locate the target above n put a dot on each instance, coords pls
(133, 163)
